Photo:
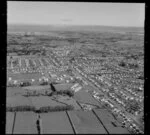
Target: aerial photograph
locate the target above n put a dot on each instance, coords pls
(75, 68)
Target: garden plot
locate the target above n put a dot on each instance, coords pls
(44, 62)
(38, 64)
(56, 123)
(86, 123)
(8, 63)
(23, 63)
(15, 63)
(31, 63)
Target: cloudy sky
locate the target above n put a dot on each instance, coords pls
(76, 13)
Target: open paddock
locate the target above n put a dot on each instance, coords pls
(25, 123)
(63, 86)
(43, 101)
(69, 101)
(14, 91)
(37, 88)
(56, 122)
(110, 122)
(85, 97)
(18, 101)
(86, 123)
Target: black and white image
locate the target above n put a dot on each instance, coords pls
(75, 68)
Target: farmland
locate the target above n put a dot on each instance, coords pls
(91, 79)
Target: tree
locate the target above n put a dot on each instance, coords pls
(44, 83)
(52, 87)
(122, 64)
(133, 65)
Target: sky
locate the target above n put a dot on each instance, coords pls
(76, 13)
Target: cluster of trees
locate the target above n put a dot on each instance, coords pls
(40, 110)
(22, 84)
(11, 85)
(133, 65)
(135, 57)
(132, 107)
(44, 83)
(63, 92)
(141, 77)
(122, 64)
(35, 93)
(20, 108)
(129, 65)
(25, 84)
(55, 108)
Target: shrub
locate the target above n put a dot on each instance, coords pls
(122, 64)
(66, 92)
(133, 65)
(141, 77)
(44, 109)
(44, 83)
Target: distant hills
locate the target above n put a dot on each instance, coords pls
(48, 28)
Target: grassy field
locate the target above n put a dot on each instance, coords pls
(115, 45)
(85, 97)
(9, 122)
(37, 88)
(112, 125)
(25, 123)
(14, 91)
(56, 122)
(86, 122)
(18, 101)
(26, 76)
(44, 101)
(68, 101)
(63, 86)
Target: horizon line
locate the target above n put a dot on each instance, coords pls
(67, 25)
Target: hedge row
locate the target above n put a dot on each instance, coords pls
(20, 108)
(40, 110)
(63, 92)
